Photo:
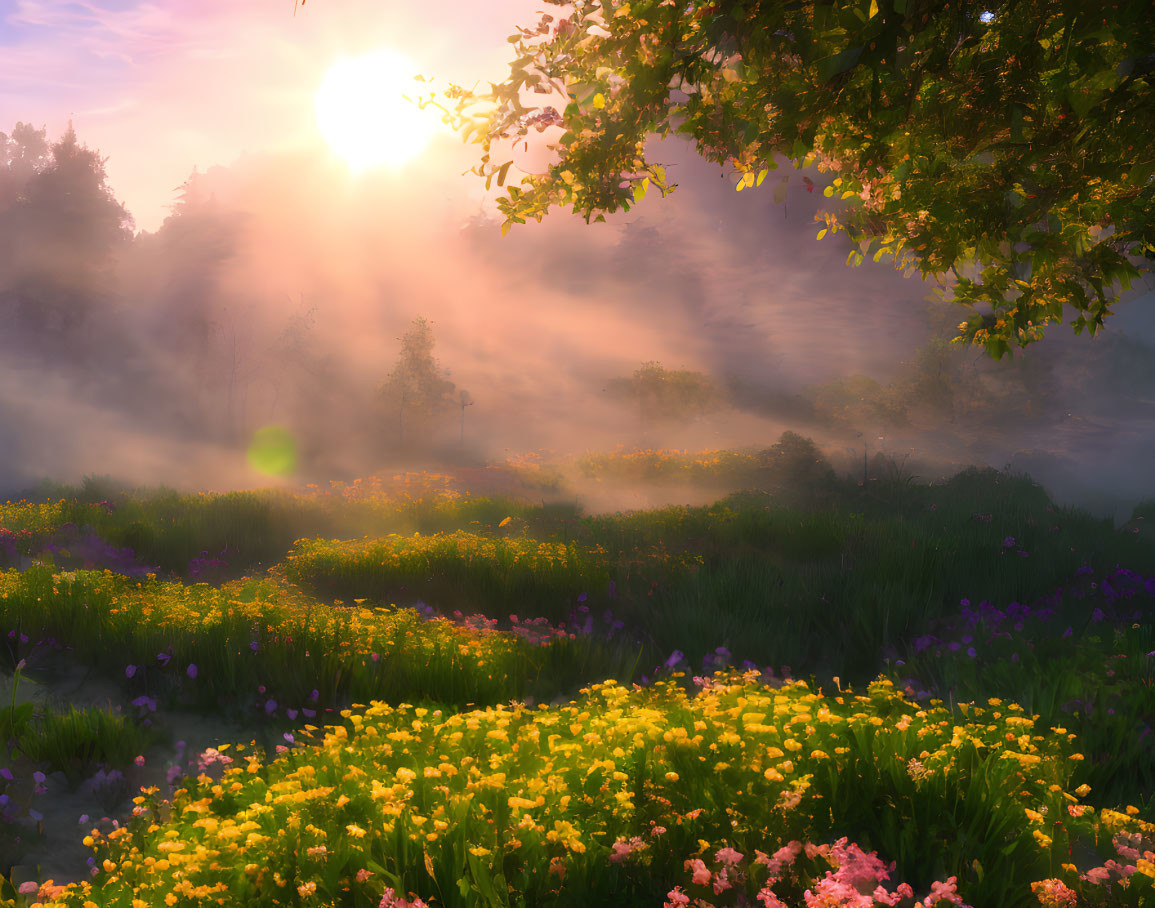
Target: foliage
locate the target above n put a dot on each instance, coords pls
(665, 395)
(632, 792)
(606, 799)
(1015, 139)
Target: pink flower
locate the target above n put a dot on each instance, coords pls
(770, 900)
(728, 855)
(833, 891)
(782, 858)
(701, 872)
(722, 881)
(1054, 894)
(813, 851)
(940, 891)
(676, 898)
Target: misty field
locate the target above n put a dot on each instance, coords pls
(817, 690)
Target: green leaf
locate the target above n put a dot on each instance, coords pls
(839, 63)
(1141, 173)
(780, 191)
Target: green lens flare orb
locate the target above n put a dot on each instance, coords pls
(273, 451)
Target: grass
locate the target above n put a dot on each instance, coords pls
(1003, 644)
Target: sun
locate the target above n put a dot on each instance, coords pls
(367, 111)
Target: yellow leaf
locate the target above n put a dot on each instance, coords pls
(504, 522)
(599, 100)
(821, 233)
(873, 9)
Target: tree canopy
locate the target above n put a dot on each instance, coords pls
(1009, 140)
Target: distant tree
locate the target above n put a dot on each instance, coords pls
(23, 154)
(415, 390)
(186, 259)
(856, 400)
(61, 232)
(665, 396)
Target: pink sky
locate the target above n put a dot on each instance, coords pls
(160, 87)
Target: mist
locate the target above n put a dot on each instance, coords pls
(279, 287)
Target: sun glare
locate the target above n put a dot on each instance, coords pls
(364, 115)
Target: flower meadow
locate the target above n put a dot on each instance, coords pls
(469, 701)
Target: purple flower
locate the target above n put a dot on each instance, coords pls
(921, 643)
(1008, 542)
(314, 695)
(191, 671)
(270, 706)
(130, 671)
(253, 646)
(582, 598)
(163, 658)
(6, 773)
